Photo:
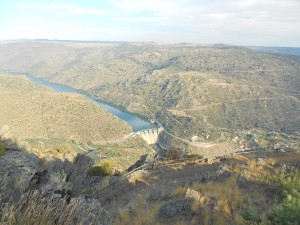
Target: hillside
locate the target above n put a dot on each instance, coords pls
(255, 188)
(190, 89)
(33, 112)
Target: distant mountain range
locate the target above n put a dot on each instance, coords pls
(278, 50)
(190, 89)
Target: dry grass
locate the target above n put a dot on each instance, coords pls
(41, 212)
(227, 192)
(230, 200)
(179, 192)
(140, 215)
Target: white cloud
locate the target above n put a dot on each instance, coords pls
(141, 19)
(244, 20)
(259, 22)
(63, 9)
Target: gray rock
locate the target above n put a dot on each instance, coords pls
(282, 150)
(174, 208)
(129, 207)
(55, 181)
(88, 211)
(261, 161)
(16, 171)
(159, 195)
(222, 168)
(192, 194)
(139, 163)
(242, 181)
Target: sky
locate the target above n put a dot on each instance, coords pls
(238, 22)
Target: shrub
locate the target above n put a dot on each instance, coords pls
(251, 215)
(173, 153)
(2, 149)
(104, 169)
(288, 212)
(194, 157)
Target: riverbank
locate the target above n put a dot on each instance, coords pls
(135, 122)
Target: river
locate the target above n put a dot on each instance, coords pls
(137, 123)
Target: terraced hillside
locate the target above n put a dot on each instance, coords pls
(189, 89)
(34, 112)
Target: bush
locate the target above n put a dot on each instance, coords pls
(173, 153)
(194, 156)
(104, 169)
(2, 149)
(251, 215)
(288, 212)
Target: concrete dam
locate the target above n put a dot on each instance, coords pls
(150, 135)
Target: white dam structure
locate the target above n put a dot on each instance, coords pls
(150, 135)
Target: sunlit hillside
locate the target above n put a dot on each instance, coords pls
(32, 111)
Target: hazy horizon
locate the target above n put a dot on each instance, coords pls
(271, 23)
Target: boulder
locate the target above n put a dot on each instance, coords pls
(129, 207)
(138, 163)
(192, 194)
(222, 169)
(174, 208)
(16, 171)
(159, 195)
(261, 162)
(242, 181)
(88, 211)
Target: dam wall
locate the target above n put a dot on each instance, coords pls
(150, 135)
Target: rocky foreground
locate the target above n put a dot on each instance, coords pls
(35, 189)
(260, 187)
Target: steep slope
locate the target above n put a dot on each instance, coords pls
(33, 112)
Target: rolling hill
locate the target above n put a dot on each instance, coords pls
(189, 89)
(34, 112)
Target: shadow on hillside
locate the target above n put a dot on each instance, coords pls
(22, 172)
(167, 178)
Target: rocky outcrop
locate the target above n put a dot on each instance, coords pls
(223, 170)
(242, 181)
(261, 162)
(23, 174)
(159, 195)
(192, 194)
(174, 208)
(203, 200)
(139, 163)
(96, 214)
(16, 172)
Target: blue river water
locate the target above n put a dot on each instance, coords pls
(137, 123)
